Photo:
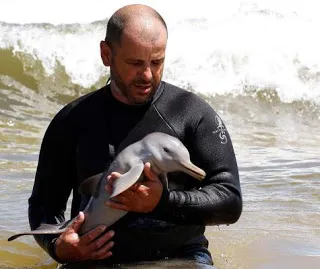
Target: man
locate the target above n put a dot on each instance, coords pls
(84, 136)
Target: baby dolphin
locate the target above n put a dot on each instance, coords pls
(165, 153)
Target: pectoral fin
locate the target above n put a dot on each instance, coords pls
(44, 228)
(127, 179)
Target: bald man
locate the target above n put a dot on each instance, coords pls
(86, 134)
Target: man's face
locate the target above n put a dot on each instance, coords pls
(136, 67)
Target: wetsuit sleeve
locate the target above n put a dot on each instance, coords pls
(53, 180)
(218, 200)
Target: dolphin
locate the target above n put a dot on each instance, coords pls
(164, 152)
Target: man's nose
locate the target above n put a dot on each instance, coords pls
(146, 73)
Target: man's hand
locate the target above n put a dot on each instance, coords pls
(71, 247)
(141, 197)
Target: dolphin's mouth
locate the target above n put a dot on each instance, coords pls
(193, 170)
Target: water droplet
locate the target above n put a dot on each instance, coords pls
(10, 123)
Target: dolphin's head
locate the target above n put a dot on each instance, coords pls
(168, 154)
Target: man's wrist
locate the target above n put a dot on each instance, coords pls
(52, 250)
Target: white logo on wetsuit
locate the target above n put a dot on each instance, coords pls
(221, 130)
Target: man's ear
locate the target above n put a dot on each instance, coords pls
(105, 52)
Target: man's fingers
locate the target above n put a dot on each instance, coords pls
(108, 188)
(101, 247)
(75, 226)
(116, 205)
(112, 177)
(124, 197)
(91, 235)
(99, 242)
(150, 175)
(103, 252)
(107, 255)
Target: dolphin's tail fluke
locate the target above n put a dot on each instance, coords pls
(16, 236)
(11, 238)
(43, 229)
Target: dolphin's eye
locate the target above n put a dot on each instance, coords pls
(166, 149)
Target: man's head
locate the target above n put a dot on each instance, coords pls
(134, 49)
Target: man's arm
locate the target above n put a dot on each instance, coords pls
(219, 199)
(54, 180)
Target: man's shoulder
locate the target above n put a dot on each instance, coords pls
(81, 112)
(181, 109)
(182, 97)
(83, 104)
(170, 88)
(88, 99)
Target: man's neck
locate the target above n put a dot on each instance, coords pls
(117, 94)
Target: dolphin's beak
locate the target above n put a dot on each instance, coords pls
(192, 170)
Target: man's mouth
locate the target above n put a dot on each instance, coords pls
(143, 87)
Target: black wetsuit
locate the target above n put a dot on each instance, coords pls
(77, 145)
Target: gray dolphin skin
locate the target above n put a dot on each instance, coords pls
(165, 153)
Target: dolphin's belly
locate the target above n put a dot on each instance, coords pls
(97, 213)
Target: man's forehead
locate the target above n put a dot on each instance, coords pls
(147, 29)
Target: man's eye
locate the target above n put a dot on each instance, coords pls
(135, 63)
(156, 62)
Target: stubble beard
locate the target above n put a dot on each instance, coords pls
(124, 90)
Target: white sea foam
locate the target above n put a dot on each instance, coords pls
(214, 46)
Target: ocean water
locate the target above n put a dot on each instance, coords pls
(256, 62)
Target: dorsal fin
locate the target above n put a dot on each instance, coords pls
(89, 186)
